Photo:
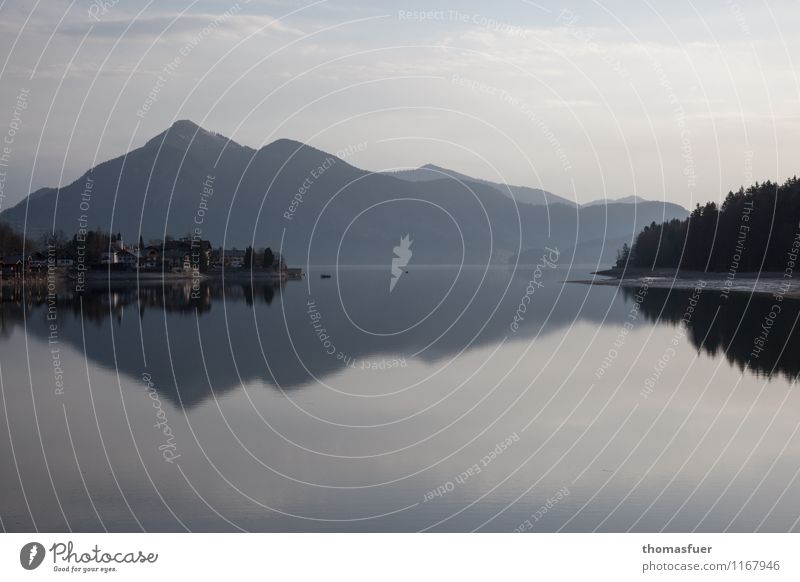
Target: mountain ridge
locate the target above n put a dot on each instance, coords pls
(524, 194)
(321, 208)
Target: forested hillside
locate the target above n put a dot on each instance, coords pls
(754, 228)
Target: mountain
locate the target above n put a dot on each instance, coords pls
(430, 172)
(313, 206)
(624, 200)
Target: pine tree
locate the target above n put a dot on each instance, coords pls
(269, 258)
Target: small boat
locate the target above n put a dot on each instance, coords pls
(325, 276)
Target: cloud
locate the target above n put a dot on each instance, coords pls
(176, 26)
(84, 70)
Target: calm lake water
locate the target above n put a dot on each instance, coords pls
(337, 405)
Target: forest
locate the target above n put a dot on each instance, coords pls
(10, 241)
(755, 229)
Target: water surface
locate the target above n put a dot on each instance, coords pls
(337, 405)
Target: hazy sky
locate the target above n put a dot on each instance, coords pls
(676, 100)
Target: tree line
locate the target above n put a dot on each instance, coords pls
(754, 229)
(266, 259)
(11, 242)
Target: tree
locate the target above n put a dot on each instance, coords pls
(56, 239)
(10, 241)
(248, 258)
(755, 229)
(622, 255)
(203, 259)
(269, 258)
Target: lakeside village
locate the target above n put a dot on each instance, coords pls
(96, 255)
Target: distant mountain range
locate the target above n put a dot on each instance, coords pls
(319, 208)
(623, 200)
(534, 196)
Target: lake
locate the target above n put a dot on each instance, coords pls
(463, 399)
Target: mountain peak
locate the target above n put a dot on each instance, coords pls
(185, 132)
(437, 171)
(186, 125)
(285, 145)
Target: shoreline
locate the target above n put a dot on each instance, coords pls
(757, 283)
(671, 273)
(96, 277)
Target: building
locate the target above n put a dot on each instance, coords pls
(109, 258)
(185, 254)
(151, 257)
(37, 262)
(128, 257)
(14, 265)
(233, 258)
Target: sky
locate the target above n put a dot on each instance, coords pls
(680, 101)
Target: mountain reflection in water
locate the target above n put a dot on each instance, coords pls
(339, 405)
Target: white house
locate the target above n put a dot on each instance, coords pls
(109, 258)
